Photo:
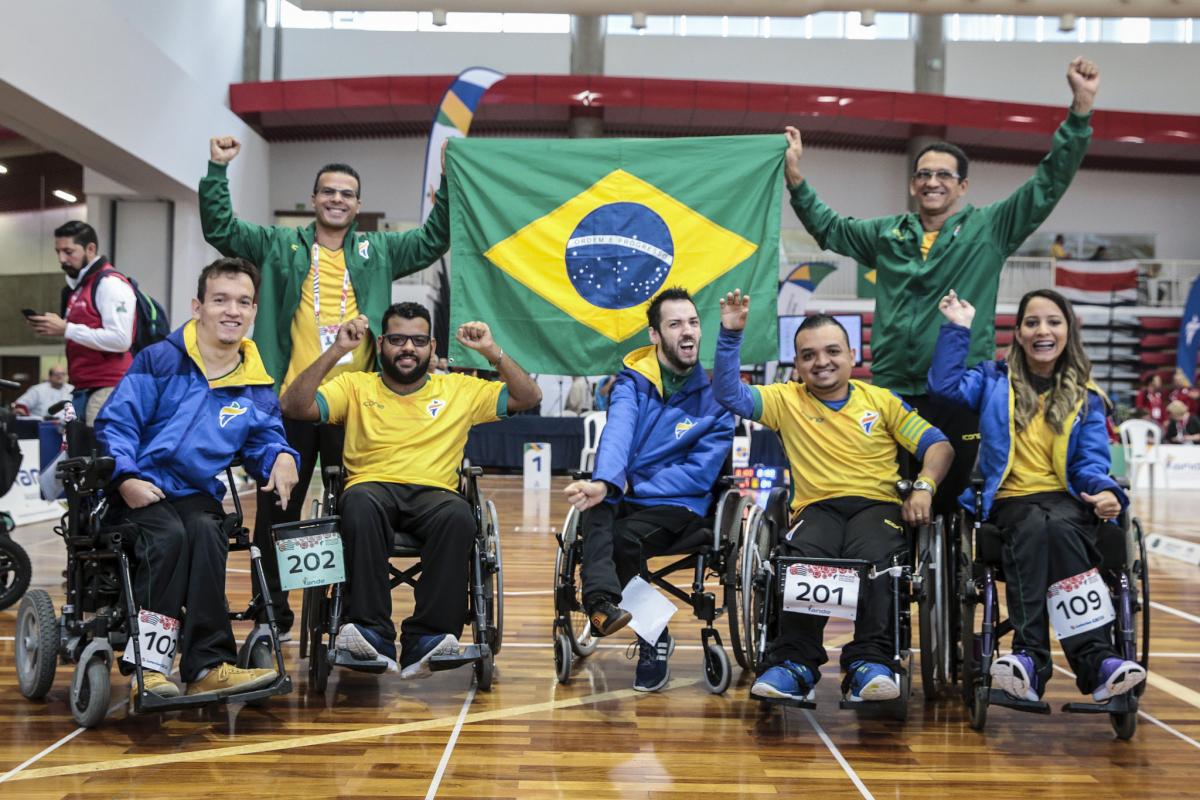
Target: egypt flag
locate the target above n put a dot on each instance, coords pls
(559, 245)
(1097, 283)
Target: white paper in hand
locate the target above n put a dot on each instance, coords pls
(650, 609)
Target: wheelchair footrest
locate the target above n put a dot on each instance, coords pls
(1121, 704)
(467, 654)
(873, 706)
(343, 658)
(789, 702)
(997, 697)
(151, 703)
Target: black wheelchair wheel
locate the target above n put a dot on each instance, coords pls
(932, 606)
(1124, 725)
(717, 673)
(977, 709)
(318, 648)
(89, 703)
(967, 659)
(485, 672)
(900, 704)
(36, 644)
(568, 589)
(732, 512)
(755, 583)
(15, 571)
(494, 584)
(562, 658)
(1141, 585)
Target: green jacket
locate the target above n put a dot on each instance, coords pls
(282, 254)
(967, 256)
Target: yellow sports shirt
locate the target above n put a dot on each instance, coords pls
(927, 242)
(1032, 469)
(413, 438)
(847, 452)
(306, 343)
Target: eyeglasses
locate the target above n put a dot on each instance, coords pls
(942, 175)
(399, 339)
(329, 192)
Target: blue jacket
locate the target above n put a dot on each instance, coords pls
(1081, 454)
(662, 453)
(165, 424)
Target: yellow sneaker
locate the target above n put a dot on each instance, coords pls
(156, 683)
(226, 679)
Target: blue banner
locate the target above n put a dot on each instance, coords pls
(1189, 333)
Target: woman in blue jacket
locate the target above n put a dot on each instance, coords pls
(1045, 460)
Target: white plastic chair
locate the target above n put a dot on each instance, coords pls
(593, 424)
(1140, 440)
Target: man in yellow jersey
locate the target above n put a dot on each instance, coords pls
(840, 437)
(405, 433)
(313, 279)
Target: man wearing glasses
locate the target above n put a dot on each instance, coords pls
(918, 257)
(313, 279)
(405, 433)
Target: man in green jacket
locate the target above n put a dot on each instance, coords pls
(313, 279)
(918, 257)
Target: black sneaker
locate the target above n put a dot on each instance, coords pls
(607, 618)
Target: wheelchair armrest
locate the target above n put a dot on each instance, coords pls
(1123, 482)
(580, 475)
(977, 478)
(904, 488)
(87, 471)
(724, 483)
(472, 470)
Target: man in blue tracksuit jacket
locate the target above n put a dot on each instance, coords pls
(660, 453)
(186, 407)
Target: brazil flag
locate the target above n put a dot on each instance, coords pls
(559, 245)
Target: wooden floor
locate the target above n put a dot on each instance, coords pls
(378, 736)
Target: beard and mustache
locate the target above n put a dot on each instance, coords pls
(406, 377)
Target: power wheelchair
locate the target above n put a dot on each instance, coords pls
(918, 574)
(974, 642)
(708, 552)
(100, 612)
(321, 611)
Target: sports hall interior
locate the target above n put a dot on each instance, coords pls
(106, 111)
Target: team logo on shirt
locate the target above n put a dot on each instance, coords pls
(364, 248)
(683, 427)
(867, 421)
(435, 407)
(234, 409)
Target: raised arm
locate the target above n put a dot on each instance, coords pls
(949, 378)
(523, 391)
(221, 228)
(727, 386)
(300, 399)
(409, 251)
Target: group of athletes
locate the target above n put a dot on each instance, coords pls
(306, 385)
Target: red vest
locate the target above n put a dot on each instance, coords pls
(93, 369)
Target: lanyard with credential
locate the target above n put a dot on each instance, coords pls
(327, 334)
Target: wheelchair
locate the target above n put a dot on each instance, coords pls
(975, 550)
(100, 612)
(918, 574)
(709, 552)
(15, 568)
(321, 611)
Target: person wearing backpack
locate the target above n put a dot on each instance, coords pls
(98, 320)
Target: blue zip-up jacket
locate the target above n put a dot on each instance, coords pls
(167, 424)
(1081, 455)
(655, 452)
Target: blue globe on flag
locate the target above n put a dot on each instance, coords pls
(619, 255)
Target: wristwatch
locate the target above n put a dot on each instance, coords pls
(920, 484)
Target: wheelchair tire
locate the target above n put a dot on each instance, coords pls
(753, 599)
(717, 671)
(731, 513)
(977, 709)
(900, 704)
(318, 667)
(496, 605)
(15, 571)
(562, 658)
(1141, 574)
(932, 610)
(89, 703)
(36, 644)
(485, 672)
(1124, 725)
(566, 573)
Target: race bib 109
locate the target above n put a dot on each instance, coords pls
(1079, 604)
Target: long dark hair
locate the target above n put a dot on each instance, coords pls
(1071, 374)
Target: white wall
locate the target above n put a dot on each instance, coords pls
(27, 238)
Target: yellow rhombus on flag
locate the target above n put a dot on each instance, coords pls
(702, 251)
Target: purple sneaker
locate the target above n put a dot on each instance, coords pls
(1117, 676)
(1015, 676)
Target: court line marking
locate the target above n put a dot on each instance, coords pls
(441, 768)
(1176, 612)
(35, 758)
(1169, 729)
(837, 754)
(374, 732)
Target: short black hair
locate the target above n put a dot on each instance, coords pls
(960, 158)
(654, 312)
(820, 321)
(80, 231)
(407, 310)
(345, 169)
(227, 266)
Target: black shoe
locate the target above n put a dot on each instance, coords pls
(607, 618)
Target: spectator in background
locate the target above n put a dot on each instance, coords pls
(578, 398)
(1101, 254)
(1184, 426)
(1150, 400)
(99, 312)
(601, 393)
(1184, 392)
(1058, 250)
(37, 399)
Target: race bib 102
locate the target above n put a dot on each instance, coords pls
(157, 636)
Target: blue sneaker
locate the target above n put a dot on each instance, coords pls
(653, 668)
(416, 663)
(365, 644)
(788, 681)
(1015, 675)
(1117, 676)
(872, 682)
